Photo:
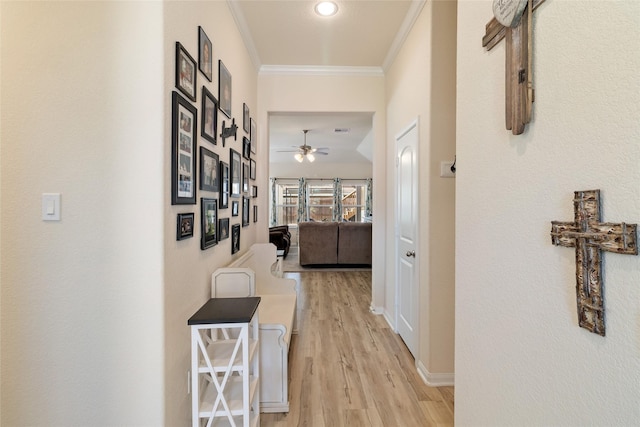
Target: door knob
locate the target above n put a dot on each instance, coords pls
(411, 254)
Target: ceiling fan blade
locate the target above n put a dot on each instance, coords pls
(324, 153)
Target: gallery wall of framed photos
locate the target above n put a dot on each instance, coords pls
(213, 153)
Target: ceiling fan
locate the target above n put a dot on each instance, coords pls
(306, 151)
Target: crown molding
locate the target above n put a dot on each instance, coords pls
(318, 70)
(241, 23)
(403, 32)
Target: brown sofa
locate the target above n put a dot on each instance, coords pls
(332, 243)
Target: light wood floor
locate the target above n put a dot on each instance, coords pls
(348, 368)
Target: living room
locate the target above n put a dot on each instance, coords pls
(330, 157)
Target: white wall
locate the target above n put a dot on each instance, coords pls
(338, 93)
(94, 308)
(187, 268)
(521, 358)
(82, 299)
(421, 84)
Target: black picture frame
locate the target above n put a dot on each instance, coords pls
(224, 89)
(183, 151)
(254, 191)
(253, 135)
(209, 116)
(245, 178)
(252, 170)
(234, 208)
(246, 117)
(205, 54)
(236, 172)
(224, 185)
(209, 175)
(255, 213)
(246, 206)
(235, 238)
(209, 216)
(223, 229)
(246, 147)
(185, 226)
(186, 75)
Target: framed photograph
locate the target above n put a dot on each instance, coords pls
(183, 151)
(235, 238)
(209, 116)
(208, 170)
(209, 223)
(224, 200)
(224, 89)
(205, 52)
(252, 169)
(234, 208)
(236, 170)
(246, 148)
(185, 226)
(245, 211)
(185, 72)
(255, 213)
(224, 185)
(245, 178)
(254, 191)
(254, 136)
(223, 229)
(245, 118)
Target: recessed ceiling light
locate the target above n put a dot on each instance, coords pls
(326, 8)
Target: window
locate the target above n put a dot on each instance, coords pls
(286, 202)
(353, 200)
(320, 200)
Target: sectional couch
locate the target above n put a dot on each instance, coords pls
(331, 243)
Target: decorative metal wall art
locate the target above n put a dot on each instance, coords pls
(589, 236)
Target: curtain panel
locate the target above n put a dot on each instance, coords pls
(337, 199)
(274, 195)
(368, 201)
(302, 200)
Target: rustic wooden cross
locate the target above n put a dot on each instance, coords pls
(519, 92)
(590, 236)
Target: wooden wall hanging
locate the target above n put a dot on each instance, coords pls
(589, 237)
(513, 21)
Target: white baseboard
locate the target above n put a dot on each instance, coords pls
(376, 310)
(384, 313)
(435, 380)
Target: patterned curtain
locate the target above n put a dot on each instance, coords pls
(274, 219)
(368, 201)
(302, 200)
(337, 200)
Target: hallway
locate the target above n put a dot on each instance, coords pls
(348, 368)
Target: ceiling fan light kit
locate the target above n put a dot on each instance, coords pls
(306, 151)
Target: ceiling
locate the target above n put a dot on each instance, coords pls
(288, 36)
(286, 134)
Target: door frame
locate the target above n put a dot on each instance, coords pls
(396, 212)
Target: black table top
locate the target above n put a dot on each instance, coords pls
(226, 310)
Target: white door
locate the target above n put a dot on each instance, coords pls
(406, 234)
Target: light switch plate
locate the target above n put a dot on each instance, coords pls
(445, 170)
(51, 206)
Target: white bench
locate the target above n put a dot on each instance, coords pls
(251, 275)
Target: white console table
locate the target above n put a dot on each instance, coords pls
(225, 363)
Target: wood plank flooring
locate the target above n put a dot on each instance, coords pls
(348, 368)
